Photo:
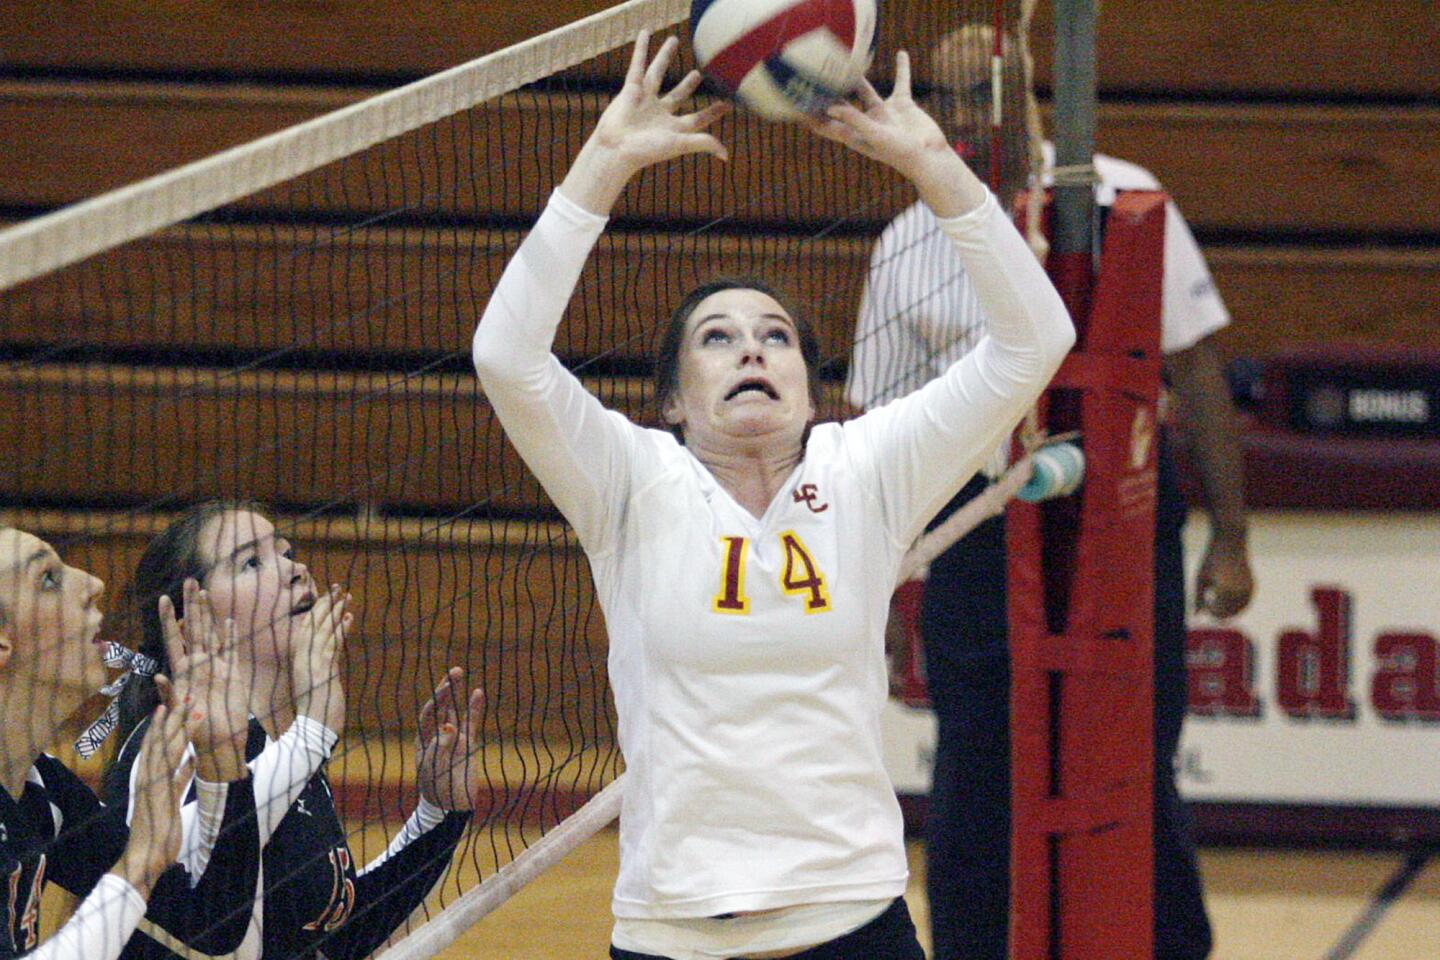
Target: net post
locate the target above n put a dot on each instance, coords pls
(1073, 244)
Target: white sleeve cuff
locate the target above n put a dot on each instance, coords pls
(198, 838)
(100, 927)
(314, 735)
(577, 214)
(964, 223)
(427, 815)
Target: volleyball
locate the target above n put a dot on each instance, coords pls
(784, 58)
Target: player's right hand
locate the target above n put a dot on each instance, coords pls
(316, 644)
(162, 775)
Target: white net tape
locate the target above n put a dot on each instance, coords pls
(478, 902)
(47, 243)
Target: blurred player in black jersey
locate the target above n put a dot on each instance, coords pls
(311, 895)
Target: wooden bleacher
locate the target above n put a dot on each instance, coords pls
(1305, 152)
(190, 288)
(512, 602)
(1234, 167)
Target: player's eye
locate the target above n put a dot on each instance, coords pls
(714, 336)
(251, 562)
(779, 335)
(51, 579)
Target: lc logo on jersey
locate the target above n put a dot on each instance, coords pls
(807, 493)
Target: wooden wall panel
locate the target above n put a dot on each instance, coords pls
(1232, 167)
(1281, 298)
(354, 37)
(1303, 48)
(98, 433)
(1278, 169)
(106, 433)
(204, 288)
(401, 291)
(512, 604)
(1306, 48)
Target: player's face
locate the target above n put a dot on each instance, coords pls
(742, 374)
(52, 617)
(961, 65)
(255, 580)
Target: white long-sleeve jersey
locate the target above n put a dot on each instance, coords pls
(747, 654)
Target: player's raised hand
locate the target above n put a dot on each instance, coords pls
(162, 775)
(642, 126)
(316, 644)
(448, 768)
(210, 693)
(895, 131)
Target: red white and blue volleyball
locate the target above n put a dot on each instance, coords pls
(784, 58)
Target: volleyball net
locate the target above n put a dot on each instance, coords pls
(289, 321)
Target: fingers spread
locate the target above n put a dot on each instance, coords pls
(475, 716)
(704, 143)
(174, 639)
(655, 75)
(902, 74)
(427, 720)
(166, 691)
(705, 118)
(868, 95)
(636, 71)
(231, 640)
(687, 86)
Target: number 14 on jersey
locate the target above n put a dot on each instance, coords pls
(799, 577)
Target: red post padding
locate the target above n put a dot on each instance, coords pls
(1081, 588)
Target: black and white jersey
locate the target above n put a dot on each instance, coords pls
(312, 897)
(55, 831)
(206, 902)
(58, 831)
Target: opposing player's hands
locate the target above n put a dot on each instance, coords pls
(315, 647)
(641, 127)
(448, 769)
(1224, 585)
(210, 695)
(162, 774)
(895, 131)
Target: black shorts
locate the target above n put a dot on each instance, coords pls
(890, 936)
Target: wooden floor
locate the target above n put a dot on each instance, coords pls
(1265, 905)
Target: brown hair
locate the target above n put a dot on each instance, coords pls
(667, 360)
(169, 560)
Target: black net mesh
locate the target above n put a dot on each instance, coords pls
(307, 347)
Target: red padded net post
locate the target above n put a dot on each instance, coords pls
(1081, 588)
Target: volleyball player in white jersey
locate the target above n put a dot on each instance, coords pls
(745, 568)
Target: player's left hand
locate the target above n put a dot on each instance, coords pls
(1224, 585)
(448, 766)
(210, 693)
(893, 130)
